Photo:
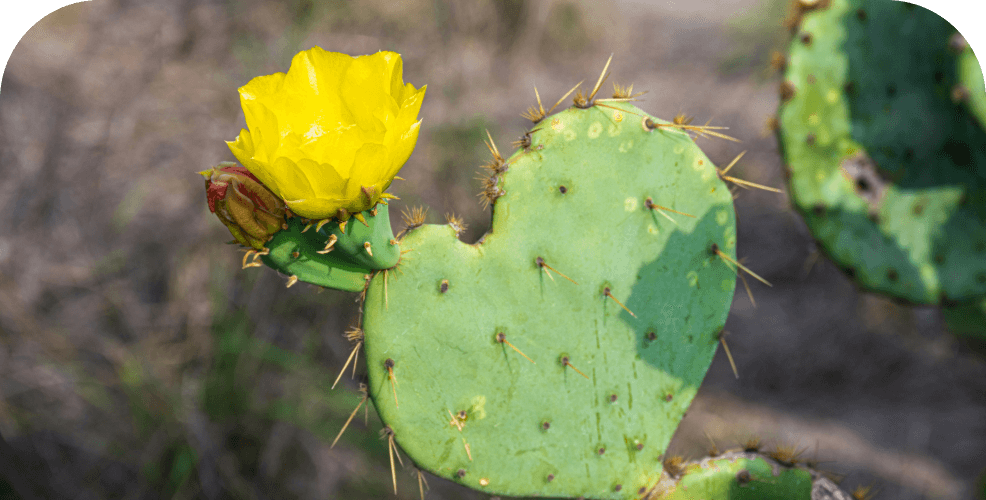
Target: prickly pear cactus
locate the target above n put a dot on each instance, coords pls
(741, 475)
(556, 356)
(887, 159)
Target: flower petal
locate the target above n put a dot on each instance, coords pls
(263, 129)
(316, 208)
(312, 103)
(242, 147)
(326, 181)
(371, 164)
(292, 182)
(367, 88)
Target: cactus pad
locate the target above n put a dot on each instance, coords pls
(887, 163)
(511, 365)
(967, 319)
(356, 249)
(745, 475)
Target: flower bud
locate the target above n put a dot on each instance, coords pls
(251, 211)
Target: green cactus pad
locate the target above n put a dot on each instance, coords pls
(970, 77)
(967, 319)
(576, 198)
(384, 252)
(294, 251)
(887, 167)
(746, 476)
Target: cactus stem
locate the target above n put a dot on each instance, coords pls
(362, 388)
(565, 361)
(386, 295)
(607, 293)
(729, 356)
(730, 260)
(535, 114)
(540, 262)
(389, 363)
(328, 245)
(468, 451)
(292, 280)
(502, 338)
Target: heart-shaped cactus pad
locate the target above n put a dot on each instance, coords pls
(514, 365)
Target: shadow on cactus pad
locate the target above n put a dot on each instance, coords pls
(886, 155)
(556, 356)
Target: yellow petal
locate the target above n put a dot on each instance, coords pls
(312, 103)
(263, 129)
(326, 181)
(292, 182)
(402, 149)
(397, 79)
(316, 208)
(242, 147)
(371, 165)
(367, 88)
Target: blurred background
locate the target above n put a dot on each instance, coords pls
(138, 361)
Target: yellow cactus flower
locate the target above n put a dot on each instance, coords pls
(329, 136)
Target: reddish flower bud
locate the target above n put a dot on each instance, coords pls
(251, 211)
